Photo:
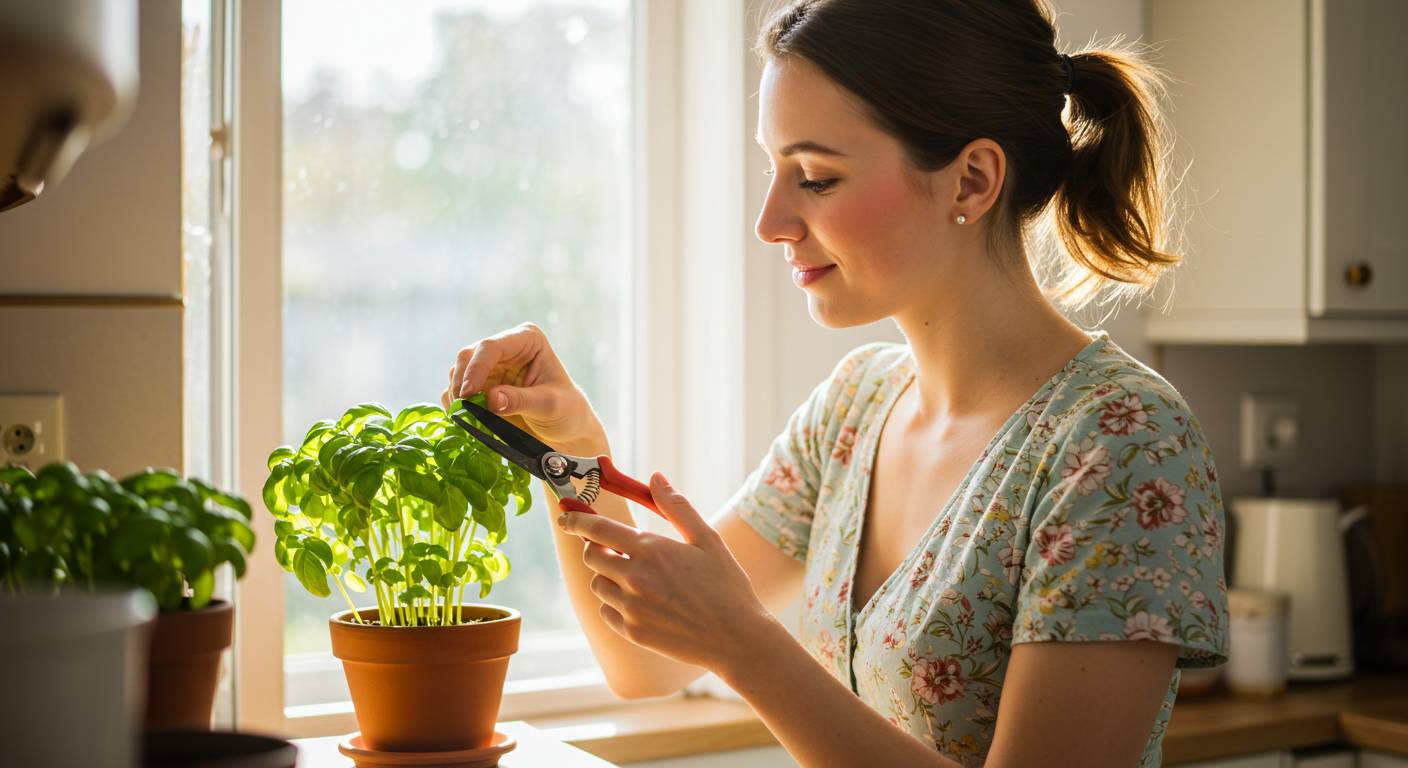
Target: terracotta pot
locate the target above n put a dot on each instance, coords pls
(427, 689)
(185, 665)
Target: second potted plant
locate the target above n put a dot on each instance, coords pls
(61, 529)
(410, 508)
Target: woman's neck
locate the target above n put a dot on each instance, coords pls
(985, 347)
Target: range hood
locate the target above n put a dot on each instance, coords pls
(68, 78)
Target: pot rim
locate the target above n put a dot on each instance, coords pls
(510, 615)
(216, 605)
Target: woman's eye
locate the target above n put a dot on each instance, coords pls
(816, 185)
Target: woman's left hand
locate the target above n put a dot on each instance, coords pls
(690, 600)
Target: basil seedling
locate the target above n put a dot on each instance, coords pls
(155, 530)
(407, 506)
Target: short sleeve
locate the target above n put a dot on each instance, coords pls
(778, 499)
(1126, 536)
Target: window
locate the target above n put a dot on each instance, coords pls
(450, 169)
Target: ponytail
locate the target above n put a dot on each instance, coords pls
(1109, 211)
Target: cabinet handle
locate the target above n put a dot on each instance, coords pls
(1358, 274)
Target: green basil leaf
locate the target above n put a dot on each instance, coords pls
(414, 592)
(311, 573)
(194, 548)
(319, 548)
(228, 553)
(281, 453)
(366, 484)
(450, 513)
(523, 501)
(354, 582)
(374, 433)
(319, 428)
(274, 490)
(404, 457)
(418, 443)
(421, 486)
(491, 516)
(331, 447)
(359, 413)
(136, 539)
(202, 588)
(414, 414)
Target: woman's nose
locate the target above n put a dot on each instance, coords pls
(777, 223)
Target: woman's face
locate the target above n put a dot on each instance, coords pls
(844, 198)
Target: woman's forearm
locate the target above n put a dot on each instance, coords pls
(818, 720)
(631, 671)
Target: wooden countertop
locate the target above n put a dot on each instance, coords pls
(1367, 712)
(534, 749)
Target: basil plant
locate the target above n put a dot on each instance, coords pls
(409, 506)
(155, 530)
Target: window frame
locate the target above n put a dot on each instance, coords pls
(667, 39)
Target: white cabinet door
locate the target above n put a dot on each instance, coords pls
(1239, 106)
(1358, 157)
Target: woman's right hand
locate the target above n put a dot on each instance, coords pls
(527, 384)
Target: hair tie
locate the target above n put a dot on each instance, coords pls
(1070, 69)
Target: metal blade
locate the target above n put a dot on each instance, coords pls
(505, 450)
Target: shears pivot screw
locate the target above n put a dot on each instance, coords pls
(557, 465)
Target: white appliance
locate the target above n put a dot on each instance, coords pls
(1296, 546)
(68, 78)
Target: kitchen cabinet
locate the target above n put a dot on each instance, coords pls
(1290, 117)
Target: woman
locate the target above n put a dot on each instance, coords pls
(1006, 533)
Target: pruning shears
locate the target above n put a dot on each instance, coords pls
(553, 467)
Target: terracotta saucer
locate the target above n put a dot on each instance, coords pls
(481, 757)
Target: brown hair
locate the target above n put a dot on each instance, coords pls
(937, 74)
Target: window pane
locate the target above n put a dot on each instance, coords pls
(451, 169)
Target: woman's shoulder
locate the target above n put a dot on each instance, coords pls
(857, 387)
(1110, 391)
(868, 359)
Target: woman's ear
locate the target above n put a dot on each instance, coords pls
(982, 168)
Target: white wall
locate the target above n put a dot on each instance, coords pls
(91, 279)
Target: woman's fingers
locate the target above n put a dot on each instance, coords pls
(602, 530)
(512, 349)
(605, 562)
(608, 591)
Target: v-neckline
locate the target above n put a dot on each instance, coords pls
(871, 452)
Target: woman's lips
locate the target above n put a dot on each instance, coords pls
(804, 276)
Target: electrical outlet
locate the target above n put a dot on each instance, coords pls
(1270, 430)
(31, 430)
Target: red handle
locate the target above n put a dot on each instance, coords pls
(622, 484)
(619, 483)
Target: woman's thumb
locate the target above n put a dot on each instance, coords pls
(527, 401)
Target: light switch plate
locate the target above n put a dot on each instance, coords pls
(31, 430)
(1270, 430)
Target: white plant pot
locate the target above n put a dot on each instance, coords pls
(74, 672)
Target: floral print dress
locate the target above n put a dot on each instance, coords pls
(1093, 514)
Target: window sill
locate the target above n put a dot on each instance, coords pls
(654, 729)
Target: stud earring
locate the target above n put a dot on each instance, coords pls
(962, 219)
